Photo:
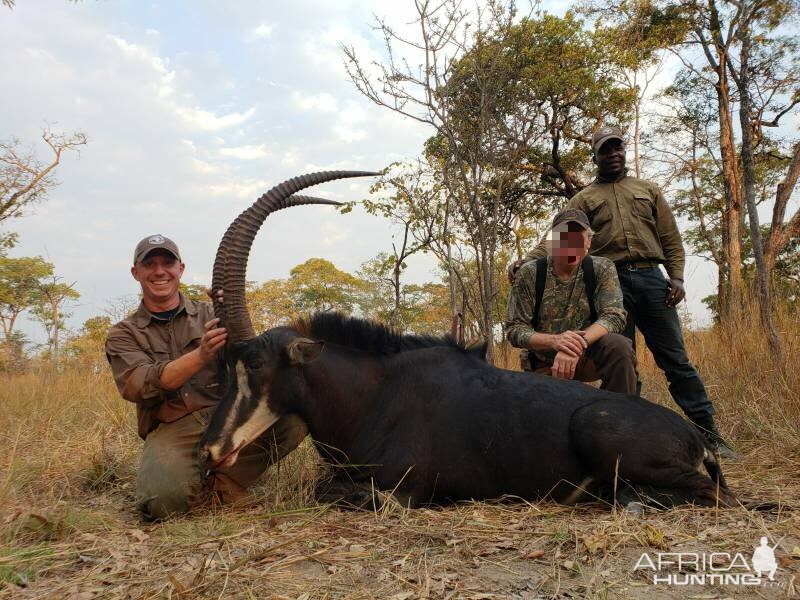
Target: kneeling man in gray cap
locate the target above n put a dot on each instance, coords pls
(164, 359)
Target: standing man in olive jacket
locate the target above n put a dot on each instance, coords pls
(164, 360)
(635, 228)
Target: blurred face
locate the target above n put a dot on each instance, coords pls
(159, 275)
(610, 157)
(570, 244)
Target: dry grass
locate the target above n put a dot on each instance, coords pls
(68, 527)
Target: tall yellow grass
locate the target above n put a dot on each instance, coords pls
(64, 431)
(69, 453)
(757, 399)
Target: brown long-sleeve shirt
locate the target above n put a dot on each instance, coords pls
(632, 222)
(139, 347)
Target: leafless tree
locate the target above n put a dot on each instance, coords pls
(25, 178)
(477, 152)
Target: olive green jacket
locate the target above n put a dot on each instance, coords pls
(631, 221)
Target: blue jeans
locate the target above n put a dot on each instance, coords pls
(645, 293)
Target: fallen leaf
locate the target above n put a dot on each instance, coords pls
(568, 564)
(796, 551)
(595, 542)
(87, 559)
(12, 517)
(455, 541)
(139, 535)
(180, 589)
(487, 550)
(784, 561)
(534, 554)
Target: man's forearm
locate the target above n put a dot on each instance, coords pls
(181, 370)
(594, 332)
(540, 341)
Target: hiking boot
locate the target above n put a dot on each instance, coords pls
(708, 428)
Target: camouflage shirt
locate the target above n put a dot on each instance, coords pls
(564, 304)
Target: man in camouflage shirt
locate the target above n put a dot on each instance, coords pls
(635, 229)
(567, 342)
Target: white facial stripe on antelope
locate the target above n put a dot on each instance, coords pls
(259, 421)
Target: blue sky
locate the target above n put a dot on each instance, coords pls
(193, 110)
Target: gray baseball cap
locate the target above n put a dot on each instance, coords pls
(155, 242)
(602, 135)
(572, 215)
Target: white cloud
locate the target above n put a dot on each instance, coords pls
(194, 116)
(208, 121)
(289, 158)
(249, 189)
(187, 127)
(248, 152)
(264, 30)
(347, 134)
(202, 167)
(140, 53)
(333, 234)
(323, 102)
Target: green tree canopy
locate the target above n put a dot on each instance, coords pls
(317, 285)
(20, 287)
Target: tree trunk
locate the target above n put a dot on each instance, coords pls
(733, 206)
(763, 280)
(731, 219)
(780, 233)
(636, 119)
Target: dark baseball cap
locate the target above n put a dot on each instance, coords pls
(155, 242)
(572, 215)
(602, 135)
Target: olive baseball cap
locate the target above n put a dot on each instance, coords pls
(155, 242)
(572, 215)
(602, 135)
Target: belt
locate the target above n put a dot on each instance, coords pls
(635, 265)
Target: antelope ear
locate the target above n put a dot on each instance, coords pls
(303, 350)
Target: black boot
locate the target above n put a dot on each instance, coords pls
(705, 424)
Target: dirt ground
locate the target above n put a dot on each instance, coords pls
(94, 546)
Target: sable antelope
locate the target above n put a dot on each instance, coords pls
(431, 420)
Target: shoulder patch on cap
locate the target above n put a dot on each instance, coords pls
(156, 239)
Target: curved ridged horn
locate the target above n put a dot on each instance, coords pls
(230, 264)
(218, 273)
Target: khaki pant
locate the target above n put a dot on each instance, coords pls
(171, 480)
(610, 359)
